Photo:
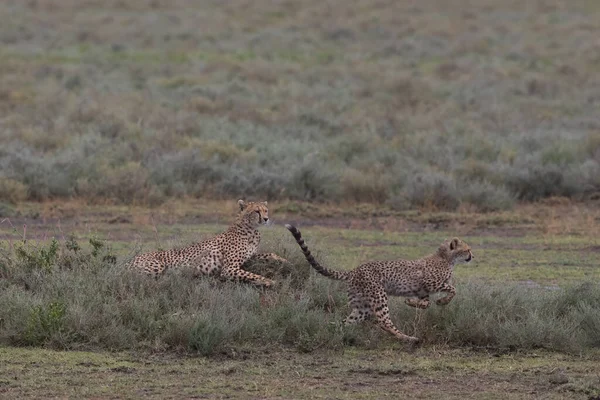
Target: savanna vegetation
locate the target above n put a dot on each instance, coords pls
(525, 319)
(379, 127)
(71, 297)
(409, 104)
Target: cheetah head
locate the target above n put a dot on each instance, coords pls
(256, 212)
(456, 250)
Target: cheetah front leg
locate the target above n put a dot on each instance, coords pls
(451, 292)
(418, 303)
(240, 275)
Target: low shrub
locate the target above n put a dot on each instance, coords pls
(487, 197)
(433, 190)
(12, 191)
(82, 299)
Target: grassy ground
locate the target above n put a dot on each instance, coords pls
(276, 373)
(536, 247)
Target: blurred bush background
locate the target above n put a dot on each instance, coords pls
(411, 104)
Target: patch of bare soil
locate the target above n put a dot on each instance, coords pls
(121, 223)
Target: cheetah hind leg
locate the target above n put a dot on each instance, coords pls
(153, 268)
(379, 304)
(205, 263)
(360, 311)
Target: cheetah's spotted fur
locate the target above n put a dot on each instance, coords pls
(222, 255)
(370, 284)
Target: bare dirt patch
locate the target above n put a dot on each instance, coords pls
(64, 217)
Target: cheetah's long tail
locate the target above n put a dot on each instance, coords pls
(338, 275)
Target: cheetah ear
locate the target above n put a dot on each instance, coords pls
(454, 243)
(265, 203)
(242, 204)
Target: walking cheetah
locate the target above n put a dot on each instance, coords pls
(370, 284)
(223, 255)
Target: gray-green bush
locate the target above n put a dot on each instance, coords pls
(493, 105)
(84, 300)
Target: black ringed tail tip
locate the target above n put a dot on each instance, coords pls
(309, 257)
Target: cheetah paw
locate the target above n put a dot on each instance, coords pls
(269, 283)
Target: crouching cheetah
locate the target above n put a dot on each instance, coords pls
(370, 284)
(222, 255)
